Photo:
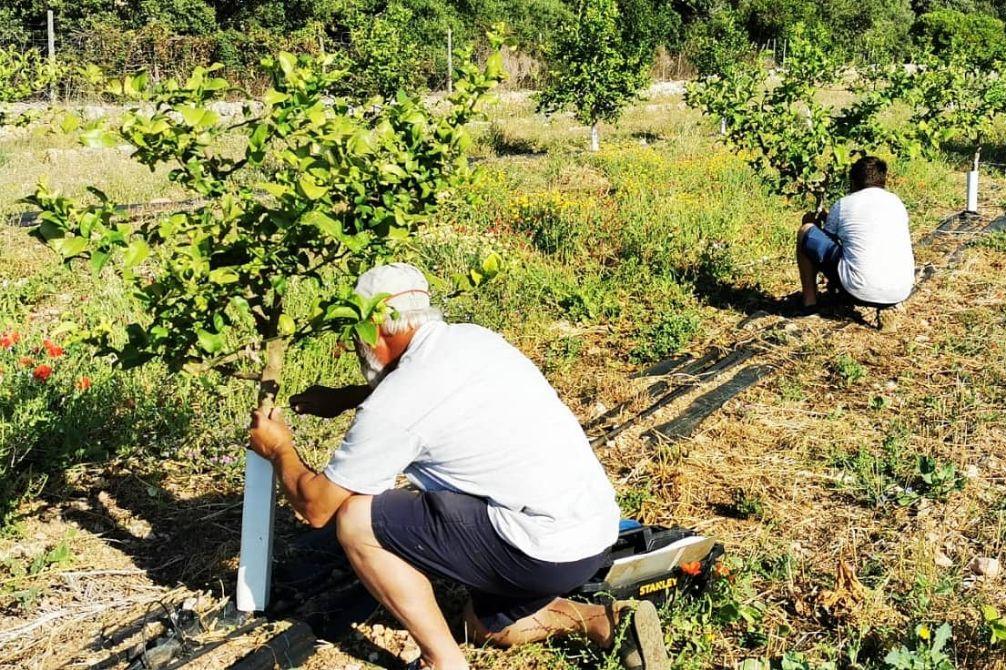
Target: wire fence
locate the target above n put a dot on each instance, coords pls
(162, 54)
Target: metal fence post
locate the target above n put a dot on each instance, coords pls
(51, 39)
(450, 62)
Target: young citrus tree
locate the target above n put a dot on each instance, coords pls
(593, 70)
(953, 99)
(24, 74)
(800, 145)
(318, 190)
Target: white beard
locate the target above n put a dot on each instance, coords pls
(373, 370)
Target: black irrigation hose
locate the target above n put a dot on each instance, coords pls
(289, 649)
(700, 409)
(711, 372)
(137, 210)
(688, 366)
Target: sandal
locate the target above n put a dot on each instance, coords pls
(643, 645)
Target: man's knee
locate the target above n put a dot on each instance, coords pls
(353, 525)
(802, 232)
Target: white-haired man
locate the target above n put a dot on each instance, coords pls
(512, 502)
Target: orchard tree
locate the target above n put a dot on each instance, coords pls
(799, 145)
(593, 70)
(953, 99)
(321, 189)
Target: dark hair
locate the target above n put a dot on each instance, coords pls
(868, 171)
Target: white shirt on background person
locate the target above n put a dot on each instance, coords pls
(877, 263)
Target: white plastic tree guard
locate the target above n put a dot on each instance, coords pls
(595, 138)
(255, 566)
(972, 191)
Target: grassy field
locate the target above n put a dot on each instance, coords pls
(852, 489)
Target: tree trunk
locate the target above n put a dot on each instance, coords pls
(255, 566)
(595, 138)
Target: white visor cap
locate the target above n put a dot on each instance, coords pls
(408, 287)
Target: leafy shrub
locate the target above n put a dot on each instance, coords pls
(666, 336)
(947, 33)
(555, 223)
(60, 408)
(718, 43)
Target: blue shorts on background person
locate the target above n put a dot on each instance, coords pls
(824, 251)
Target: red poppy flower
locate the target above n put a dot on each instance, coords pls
(53, 349)
(722, 570)
(8, 340)
(83, 383)
(694, 568)
(26, 361)
(42, 372)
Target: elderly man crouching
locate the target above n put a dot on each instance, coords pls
(512, 502)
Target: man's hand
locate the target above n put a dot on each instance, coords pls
(328, 402)
(268, 433)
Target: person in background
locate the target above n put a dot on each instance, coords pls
(864, 248)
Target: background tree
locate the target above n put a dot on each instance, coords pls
(949, 34)
(718, 43)
(322, 189)
(800, 146)
(592, 69)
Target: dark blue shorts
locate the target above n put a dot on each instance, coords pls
(825, 252)
(449, 535)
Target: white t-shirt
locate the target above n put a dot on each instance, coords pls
(465, 411)
(877, 264)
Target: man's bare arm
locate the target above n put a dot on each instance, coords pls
(315, 497)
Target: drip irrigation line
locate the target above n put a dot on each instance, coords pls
(133, 211)
(723, 364)
(688, 367)
(703, 406)
(289, 649)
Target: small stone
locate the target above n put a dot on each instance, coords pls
(373, 657)
(971, 472)
(986, 567)
(599, 409)
(378, 629)
(943, 561)
(189, 604)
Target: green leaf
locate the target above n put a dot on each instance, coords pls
(211, 343)
(136, 253)
(191, 114)
(272, 97)
(98, 260)
(71, 246)
(367, 332)
(287, 62)
(311, 189)
(224, 275)
(286, 325)
(98, 138)
(324, 223)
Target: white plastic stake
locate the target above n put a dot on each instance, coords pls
(723, 126)
(595, 138)
(255, 566)
(973, 191)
